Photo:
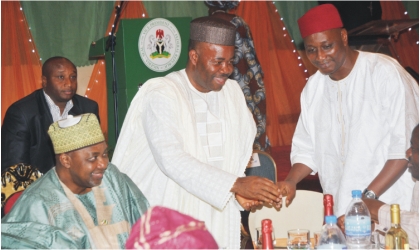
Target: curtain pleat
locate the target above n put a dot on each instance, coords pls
(284, 72)
(96, 89)
(167, 9)
(406, 46)
(291, 11)
(20, 64)
(67, 28)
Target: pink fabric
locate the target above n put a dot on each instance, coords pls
(320, 18)
(164, 228)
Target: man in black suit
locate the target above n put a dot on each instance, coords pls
(24, 137)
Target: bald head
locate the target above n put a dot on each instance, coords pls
(59, 80)
(54, 62)
(416, 132)
(413, 154)
(415, 138)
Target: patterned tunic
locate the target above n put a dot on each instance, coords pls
(44, 217)
(248, 73)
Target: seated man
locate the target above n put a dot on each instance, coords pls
(24, 137)
(381, 212)
(83, 202)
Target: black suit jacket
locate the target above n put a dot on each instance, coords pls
(24, 137)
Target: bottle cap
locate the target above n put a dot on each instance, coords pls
(356, 193)
(331, 219)
(395, 207)
(266, 226)
(328, 199)
(395, 214)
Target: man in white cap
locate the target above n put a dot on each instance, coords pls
(83, 202)
(187, 137)
(358, 111)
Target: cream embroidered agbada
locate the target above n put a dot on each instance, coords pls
(178, 163)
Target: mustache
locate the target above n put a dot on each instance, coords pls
(223, 75)
(99, 172)
(323, 62)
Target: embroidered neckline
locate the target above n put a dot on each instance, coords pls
(221, 11)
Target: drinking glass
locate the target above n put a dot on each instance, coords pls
(258, 241)
(378, 239)
(298, 239)
(317, 237)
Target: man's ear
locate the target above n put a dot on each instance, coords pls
(193, 55)
(65, 160)
(44, 81)
(344, 37)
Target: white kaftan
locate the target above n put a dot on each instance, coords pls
(349, 128)
(161, 148)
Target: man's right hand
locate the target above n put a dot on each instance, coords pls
(288, 186)
(288, 189)
(257, 188)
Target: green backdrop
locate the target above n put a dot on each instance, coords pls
(68, 28)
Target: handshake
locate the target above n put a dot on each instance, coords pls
(254, 191)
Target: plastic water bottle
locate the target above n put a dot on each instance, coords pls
(357, 223)
(331, 236)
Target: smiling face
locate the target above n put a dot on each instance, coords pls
(413, 154)
(85, 167)
(327, 51)
(59, 80)
(209, 66)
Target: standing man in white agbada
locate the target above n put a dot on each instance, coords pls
(358, 111)
(187, 137)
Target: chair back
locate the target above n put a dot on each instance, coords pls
(305, 212)
(266, 169)
(14, 180)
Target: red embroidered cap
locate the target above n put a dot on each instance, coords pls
(164, 228)
(320, 18)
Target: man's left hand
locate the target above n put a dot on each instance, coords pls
(247, 204)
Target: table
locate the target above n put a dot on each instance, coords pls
(281, 243)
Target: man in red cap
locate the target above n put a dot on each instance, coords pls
(357, 114)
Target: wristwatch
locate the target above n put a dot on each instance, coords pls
(369, 194)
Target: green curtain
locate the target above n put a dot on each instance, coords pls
(412, 8)
(67, 28)
(164, 9)
(291, 11)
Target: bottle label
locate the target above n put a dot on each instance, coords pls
(357, 226)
